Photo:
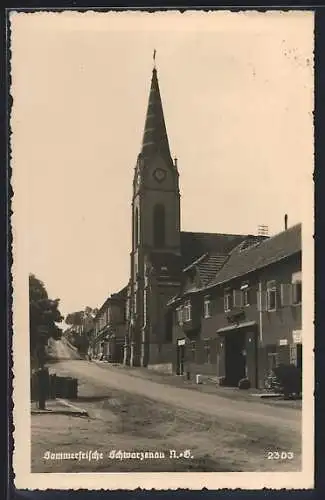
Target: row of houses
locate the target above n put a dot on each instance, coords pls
(233, 317)
(109, 329)
(241, 320)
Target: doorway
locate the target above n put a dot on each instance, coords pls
(180, 359)
(235, 358)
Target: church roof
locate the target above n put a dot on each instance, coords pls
(194, 245)
(155, 139)
(218, 248)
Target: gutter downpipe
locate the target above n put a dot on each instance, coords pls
(261, 312)
(261, 333)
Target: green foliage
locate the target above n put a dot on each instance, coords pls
(43, 315)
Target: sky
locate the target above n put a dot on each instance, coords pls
(237, 93)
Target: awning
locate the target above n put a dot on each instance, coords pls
(236, 326)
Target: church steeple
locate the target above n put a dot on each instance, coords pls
(155, 231)
(155, 138)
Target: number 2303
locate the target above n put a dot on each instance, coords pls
(280, 455)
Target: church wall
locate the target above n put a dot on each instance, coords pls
(170, 202)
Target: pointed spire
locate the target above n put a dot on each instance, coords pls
(155, 134)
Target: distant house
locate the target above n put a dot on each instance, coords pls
(110, 328)
(239, 315)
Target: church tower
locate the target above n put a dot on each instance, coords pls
(155, 234)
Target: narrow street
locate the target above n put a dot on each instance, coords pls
(131, 413)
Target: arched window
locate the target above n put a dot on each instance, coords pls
(159, 226)
(136, 227)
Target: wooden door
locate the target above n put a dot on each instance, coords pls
(251, 358)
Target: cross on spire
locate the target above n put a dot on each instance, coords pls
(155, 135)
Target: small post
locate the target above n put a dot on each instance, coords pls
(43, 387)
(286, 222)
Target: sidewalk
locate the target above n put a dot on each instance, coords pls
(207, 386)
(58, 407)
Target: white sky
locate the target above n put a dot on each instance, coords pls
(237, 92)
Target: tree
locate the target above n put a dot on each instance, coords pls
(81, 325)
(75, 318)
(44, 315)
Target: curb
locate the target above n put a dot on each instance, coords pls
(75, 409)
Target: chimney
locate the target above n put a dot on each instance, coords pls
(286, 222)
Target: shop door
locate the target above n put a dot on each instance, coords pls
(180, 359)
(251, 358)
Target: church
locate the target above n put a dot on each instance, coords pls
(160, 250)
(225, 306)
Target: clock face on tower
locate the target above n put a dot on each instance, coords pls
(159, 174)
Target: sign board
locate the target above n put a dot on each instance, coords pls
(297, 336)
(181, 342)
(283, 342)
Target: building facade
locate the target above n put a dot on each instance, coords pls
(160, 250)
(247, 318)
(110, 329)
(169, 267)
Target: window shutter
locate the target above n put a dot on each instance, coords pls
(296, 287)
(286, 294)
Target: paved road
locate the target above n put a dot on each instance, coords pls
(61, 349)
(208, 404)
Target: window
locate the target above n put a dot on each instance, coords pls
(286, 294)
(296, 292)
(237, 298)
(127, 309)
(207, 307)
(228, 299)
(136, 228)
(245, 295)
(159, 226)
(271, 296)
(187, 311)
(207, 351)
(193, 351)
(179, 315)
(135, 302)
(145, 307)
